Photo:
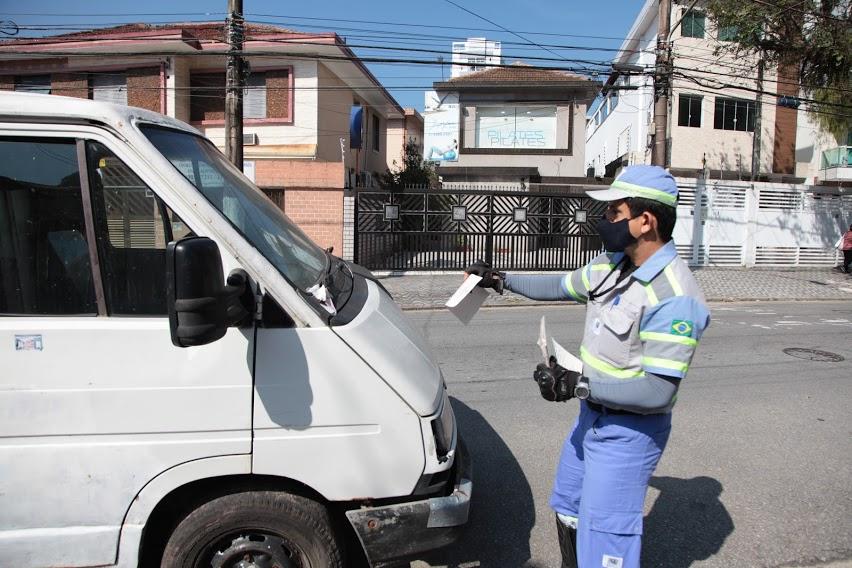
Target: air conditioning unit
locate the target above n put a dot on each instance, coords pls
(249, 139)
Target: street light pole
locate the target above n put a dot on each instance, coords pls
(234, 84)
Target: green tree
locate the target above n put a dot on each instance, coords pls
(815, 35)
(414, 170)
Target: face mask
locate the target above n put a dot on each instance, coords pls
(615, 235)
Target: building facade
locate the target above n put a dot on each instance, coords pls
(474, 54)
(514, 124)
(315, 118)
(712, 108)
(402, 131)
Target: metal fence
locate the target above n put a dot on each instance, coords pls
(449, 229)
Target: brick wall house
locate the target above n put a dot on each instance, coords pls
(297, 105)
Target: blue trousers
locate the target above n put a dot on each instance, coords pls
(602, 479)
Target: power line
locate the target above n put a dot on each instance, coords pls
(292, 17)
(483, 18)
(758, 91)
(277, 54)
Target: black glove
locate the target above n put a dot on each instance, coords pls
(555, 382)
(490, 278)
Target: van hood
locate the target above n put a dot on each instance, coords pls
(386, 340)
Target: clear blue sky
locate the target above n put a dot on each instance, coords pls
(571, 20)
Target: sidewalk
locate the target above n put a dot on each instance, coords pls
(414, 290)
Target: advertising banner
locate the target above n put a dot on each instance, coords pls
(441, 127)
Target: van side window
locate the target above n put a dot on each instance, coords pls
(133, 227)
(44, 256)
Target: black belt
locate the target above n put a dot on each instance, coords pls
(607, 410)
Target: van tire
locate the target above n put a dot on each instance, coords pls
(223, 531)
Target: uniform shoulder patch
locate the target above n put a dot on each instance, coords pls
(681, 327)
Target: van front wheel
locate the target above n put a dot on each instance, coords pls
(257, 529)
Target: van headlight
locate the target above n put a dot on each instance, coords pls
(443, 428)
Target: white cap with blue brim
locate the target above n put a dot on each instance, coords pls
(647, 182)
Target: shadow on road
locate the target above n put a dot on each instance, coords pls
(502, 511)
(687, 523)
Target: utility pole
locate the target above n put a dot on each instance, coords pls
(758, 108)
(662, 79)
(234, 81)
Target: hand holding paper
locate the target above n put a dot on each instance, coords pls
(465, 302)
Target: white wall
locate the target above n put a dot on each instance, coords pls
(731, 223)
(632, 115)
(723, 149)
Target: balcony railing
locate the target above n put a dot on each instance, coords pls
(840, 157)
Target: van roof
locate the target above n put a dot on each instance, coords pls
(54, 107)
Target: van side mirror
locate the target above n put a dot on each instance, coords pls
(201, 305)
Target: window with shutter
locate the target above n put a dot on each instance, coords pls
(254, 98)
(110, 88)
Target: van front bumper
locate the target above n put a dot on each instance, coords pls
(401, 530)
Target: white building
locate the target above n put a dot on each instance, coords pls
(475, 54)
(711, 111)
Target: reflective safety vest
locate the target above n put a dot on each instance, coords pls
(651, 321)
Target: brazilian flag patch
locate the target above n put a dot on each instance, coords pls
(681, 327)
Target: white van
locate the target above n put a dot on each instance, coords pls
(156, 412)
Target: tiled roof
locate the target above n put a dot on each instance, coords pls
(517, 72)
(198, 30)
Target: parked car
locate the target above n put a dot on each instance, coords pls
(156, 412)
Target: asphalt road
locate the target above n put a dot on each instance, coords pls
(758, 469)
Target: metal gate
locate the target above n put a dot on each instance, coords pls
(448, 230)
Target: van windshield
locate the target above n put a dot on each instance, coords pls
(247, 208)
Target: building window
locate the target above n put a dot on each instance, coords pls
(734, 114)
(33, 84)
(693, 24)
(689, 111)
(613, 100)
(254, 96)
(727, 33)
(207, 100)
(109, 88)
(376, 133)
(513, 127)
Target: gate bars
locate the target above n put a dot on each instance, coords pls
(449, 229)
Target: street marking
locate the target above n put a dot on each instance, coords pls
(760, 326)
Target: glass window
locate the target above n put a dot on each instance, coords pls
(133, 228)
(727, 33)
(376, 133)
(250, 212)
(734, 114)
(693, 24)
(44, 255)
(689, 111)
(514, 127)
(33, 84)
(613, 100)
(110, 88)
